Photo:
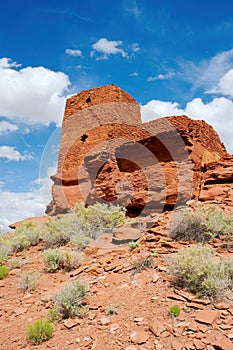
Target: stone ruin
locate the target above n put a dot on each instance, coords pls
(107, 154)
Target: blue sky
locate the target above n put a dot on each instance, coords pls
(174, 57)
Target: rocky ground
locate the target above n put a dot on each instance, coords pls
(141, 301)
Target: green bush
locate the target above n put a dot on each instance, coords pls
(3, 271)
(52, 259)
(28, 281)
(39, 331)
(54, 315)
(55, 259)
(133, 245)
(71, 259)
(174, 310)
(199, 270)
(16, 263)
(69, 301)
(111, 309)
(98, 217)
(5, 248)
(82, 225)
(25, 235)
(201, 224)
(53, 236)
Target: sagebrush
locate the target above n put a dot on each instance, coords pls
(201, 224)
(69, 301)
(199, 270)
(28, 281)
(67, 259)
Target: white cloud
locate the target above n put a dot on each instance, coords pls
(19, 206)
(79, 66)
(161, 109)
(207, 73)
(225, 85)
(24, 205)
(135, 47)
(32, 94)
(77, 53)
(132, 8)
(107, 47)
(161, 77)
(6, 127)
(8, 63)
(134, 74)
(10, 153)
(218, 113)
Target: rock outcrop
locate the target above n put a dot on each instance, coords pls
(108, 154)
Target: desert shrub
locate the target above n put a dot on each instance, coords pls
(25, 235)
(143, 264)
(16, 263)
(69, 301)
(199, 270)
(154, 253)
(20, 243)
(39, 331)
(201, 224)
(111, 309)
(174, 310)
(71, 259)
(133, 245)
(3, 271)
(52, 259)
(54, 315)
(79, 234)
(99, 217)
(82, 225)
(28, 281)
(5, 248)
(55, 259)
(53, 236)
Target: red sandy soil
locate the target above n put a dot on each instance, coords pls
(142, 320)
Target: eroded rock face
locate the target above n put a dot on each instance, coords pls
(107, 153)
(217, 181)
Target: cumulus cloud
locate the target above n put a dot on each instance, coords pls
(161, 77)
(71, 52)
(10, 153)
(107, 47)
(8, 63)
(161, 109)
(218, 113)
(33, 94)
(225, 85)
(24, 205)
(6, 127)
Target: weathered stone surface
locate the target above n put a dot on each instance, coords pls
(107, 153)
(139, 336)
(207, 316)
(217, 183)
(34, 220)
